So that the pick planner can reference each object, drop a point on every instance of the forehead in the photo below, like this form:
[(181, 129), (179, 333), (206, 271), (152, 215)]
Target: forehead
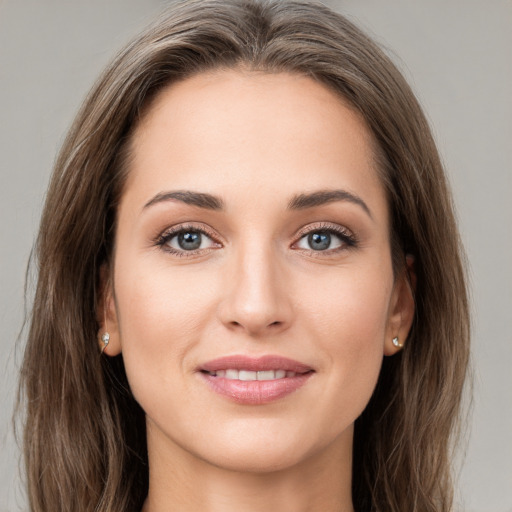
[(235, 132)]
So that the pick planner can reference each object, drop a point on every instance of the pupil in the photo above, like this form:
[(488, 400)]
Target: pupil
[(189, 241), (319, 241)]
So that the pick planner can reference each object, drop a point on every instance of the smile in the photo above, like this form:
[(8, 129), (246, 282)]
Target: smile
[(255, 381), (248, 375)]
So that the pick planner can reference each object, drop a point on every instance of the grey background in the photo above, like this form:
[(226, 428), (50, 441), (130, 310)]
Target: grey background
[(456, 54)]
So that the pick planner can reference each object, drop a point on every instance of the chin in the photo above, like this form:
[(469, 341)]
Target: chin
[(263, 447), (257, 459)]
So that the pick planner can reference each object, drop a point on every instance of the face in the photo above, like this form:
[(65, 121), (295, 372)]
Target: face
[(253, 295)]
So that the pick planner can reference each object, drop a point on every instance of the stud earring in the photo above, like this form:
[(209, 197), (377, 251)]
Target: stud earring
[(397, 343), (105, 338)]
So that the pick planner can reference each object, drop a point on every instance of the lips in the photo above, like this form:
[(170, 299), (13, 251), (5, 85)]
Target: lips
[(255, 381), (269, 362)]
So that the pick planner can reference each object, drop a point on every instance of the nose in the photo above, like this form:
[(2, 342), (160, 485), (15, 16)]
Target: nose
[(257, 296)]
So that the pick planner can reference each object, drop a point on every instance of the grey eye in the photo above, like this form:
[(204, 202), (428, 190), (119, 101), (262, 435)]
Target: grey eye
[(190, 240), (320, 241)]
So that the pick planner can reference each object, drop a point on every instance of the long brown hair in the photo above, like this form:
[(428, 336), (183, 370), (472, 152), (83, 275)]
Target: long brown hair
[(84, 434)]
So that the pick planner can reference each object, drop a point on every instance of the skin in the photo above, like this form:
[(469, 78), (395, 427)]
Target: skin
[(255, 287)]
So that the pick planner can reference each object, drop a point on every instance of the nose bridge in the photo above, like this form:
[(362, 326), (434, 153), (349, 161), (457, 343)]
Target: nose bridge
[(257, 299)]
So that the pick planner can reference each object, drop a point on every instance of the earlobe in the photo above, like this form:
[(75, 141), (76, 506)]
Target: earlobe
[(105, 338), (108, 333), (402, 309), (396, 342)]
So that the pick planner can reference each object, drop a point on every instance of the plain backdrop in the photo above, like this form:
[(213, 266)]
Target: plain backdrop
[(458, 57)]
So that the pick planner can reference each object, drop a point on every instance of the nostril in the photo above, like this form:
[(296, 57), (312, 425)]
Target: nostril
[(237, 325)]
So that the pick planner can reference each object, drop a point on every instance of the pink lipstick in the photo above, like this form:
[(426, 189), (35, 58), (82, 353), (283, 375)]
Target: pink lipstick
[(255, 381)]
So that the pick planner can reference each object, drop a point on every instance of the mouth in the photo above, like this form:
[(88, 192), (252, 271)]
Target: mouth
[(255, 381), (250, 375)]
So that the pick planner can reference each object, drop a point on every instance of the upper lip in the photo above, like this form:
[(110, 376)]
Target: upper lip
[(267, 362)]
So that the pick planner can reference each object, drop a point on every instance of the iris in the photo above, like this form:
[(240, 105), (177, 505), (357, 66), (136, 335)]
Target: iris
[(189, 240), (319, 241)]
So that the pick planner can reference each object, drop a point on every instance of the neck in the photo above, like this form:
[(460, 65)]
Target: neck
[(180, 481)]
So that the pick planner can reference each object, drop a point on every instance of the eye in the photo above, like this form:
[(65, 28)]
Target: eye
[(186, 240), (320, 241), (326, 239)]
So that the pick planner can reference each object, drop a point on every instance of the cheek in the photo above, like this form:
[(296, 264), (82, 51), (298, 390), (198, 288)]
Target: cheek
[(162, 314), (350, 307), (154, 297), (347, 317)]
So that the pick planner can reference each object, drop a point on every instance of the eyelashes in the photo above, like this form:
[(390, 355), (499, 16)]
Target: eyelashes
[(319, 239), (325, 238), (188, 240)]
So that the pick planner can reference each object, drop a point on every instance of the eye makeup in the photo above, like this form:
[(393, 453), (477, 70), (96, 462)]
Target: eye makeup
[(186, 240), (322, 239)]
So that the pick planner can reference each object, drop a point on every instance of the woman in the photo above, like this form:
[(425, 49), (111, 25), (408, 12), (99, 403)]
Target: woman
[(248, 213)]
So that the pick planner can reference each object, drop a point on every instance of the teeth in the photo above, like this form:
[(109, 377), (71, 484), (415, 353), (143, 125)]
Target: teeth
[(247, 375), (232, 374), (267, 375)]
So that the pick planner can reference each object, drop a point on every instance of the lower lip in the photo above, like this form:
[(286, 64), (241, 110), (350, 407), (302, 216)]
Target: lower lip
[(255, 392)]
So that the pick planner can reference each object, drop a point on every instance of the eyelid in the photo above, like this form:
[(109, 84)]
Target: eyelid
[(323, 226), (161, 240), (168, 234), (346, 235)]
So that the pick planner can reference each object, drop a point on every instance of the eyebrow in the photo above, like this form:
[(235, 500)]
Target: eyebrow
[(321, 197), (297, 202), (199, 199)]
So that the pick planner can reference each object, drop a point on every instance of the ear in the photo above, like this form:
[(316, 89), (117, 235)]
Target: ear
[(401, 312), (106, 314)]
